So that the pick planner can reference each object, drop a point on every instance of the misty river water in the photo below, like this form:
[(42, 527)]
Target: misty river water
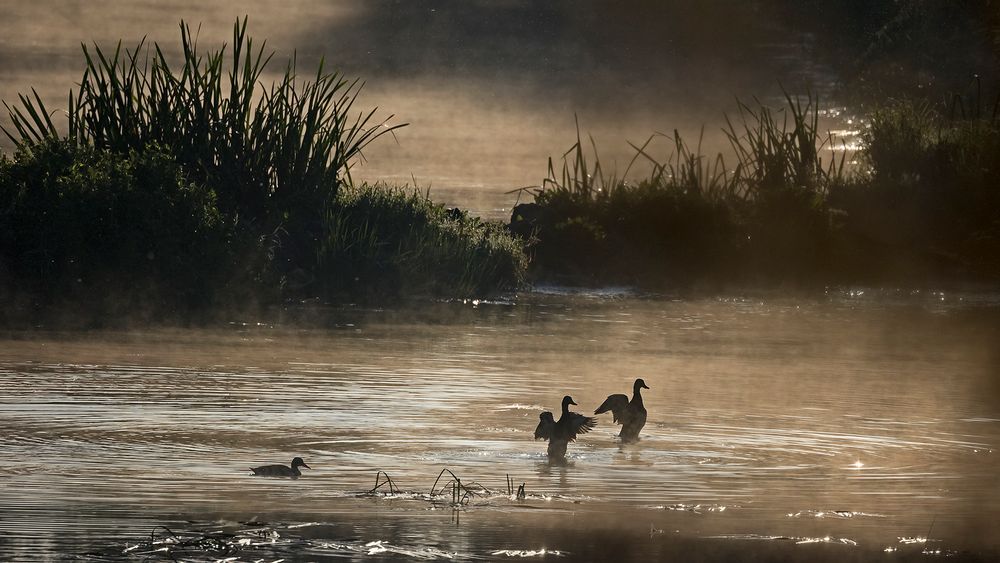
[(833, 426)]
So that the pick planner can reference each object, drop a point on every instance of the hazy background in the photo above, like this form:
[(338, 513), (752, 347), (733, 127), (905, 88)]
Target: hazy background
[(490, 88)]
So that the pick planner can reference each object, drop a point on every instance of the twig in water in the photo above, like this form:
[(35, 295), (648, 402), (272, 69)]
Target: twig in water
[(520, 494), (393, 489), (457, 488), (453, 476)]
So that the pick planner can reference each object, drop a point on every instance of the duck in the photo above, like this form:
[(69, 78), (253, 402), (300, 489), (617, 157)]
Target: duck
[(630, 414), (278, 470), (561, 432)]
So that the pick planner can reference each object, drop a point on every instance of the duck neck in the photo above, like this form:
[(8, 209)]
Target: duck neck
[(637, 395), (565, 409)]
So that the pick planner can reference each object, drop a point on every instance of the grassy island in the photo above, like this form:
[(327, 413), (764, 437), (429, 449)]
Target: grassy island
[(177, 189)]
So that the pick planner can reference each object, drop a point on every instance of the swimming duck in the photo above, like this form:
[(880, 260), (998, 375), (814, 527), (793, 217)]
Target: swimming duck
[(281, 470), (630, 414), (560, 433)]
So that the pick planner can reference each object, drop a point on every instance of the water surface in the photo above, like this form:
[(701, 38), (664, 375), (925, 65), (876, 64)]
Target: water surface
[(834, 426)]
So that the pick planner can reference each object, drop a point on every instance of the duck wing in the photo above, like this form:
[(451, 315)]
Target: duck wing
[(273, 471), (617, 404), (544, 429), (574, 423)]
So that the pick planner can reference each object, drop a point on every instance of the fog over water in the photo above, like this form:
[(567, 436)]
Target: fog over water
[(491, 89), (809, 429)]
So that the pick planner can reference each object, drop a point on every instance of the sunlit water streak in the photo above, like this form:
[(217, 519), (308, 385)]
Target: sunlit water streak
[(858, 420)]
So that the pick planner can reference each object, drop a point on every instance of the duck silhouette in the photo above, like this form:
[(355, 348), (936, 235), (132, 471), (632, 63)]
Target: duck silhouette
[(561, 432), (281, 470), (630, 414)]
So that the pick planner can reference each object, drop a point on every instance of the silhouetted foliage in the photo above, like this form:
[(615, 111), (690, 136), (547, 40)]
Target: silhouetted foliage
[(388, 241), (178, 187), (921, 205), (929, 199), (896, 48), (79, 224), (275, 157)]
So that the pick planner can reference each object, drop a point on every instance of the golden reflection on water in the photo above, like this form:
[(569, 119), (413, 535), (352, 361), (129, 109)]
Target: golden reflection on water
[(854, 421)]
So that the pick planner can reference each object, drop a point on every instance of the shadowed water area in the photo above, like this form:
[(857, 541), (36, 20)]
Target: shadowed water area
[(833, 427)]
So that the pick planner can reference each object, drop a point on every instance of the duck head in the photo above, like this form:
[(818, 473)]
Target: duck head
[(297, 462), (639, 384), (567, 401)]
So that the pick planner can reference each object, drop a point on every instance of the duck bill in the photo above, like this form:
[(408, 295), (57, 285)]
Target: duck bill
[(644, 386), (306, 466)]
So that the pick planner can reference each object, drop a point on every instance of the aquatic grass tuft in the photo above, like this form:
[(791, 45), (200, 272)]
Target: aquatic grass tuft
[(919, 199), (775, 153), (272, 163), (928, 201), (518, 492), (694, 216), (461, 493), (455, 486), (772, 149), (396, 241), (273, 155), (382, 479)]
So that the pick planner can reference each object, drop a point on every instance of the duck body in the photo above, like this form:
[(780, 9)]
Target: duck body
[(560, 433), (281, 470), (630, 414)]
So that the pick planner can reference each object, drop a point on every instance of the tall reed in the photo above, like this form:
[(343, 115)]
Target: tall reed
[(270, 153), (774, 153), (385, 240), (763, 202), (771, 148)]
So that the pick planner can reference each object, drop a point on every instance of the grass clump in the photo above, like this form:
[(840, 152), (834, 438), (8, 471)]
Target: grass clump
[(921, 206), (274, 157), (927, 200), (392, 241), (693, 217), (204, 188)]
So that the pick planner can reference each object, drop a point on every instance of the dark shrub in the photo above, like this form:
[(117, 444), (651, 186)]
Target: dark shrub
[(391, 241), (79, 224)]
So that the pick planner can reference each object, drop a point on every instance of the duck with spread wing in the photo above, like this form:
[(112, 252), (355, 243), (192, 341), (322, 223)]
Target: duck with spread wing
[(561, 432), (630, 414)]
